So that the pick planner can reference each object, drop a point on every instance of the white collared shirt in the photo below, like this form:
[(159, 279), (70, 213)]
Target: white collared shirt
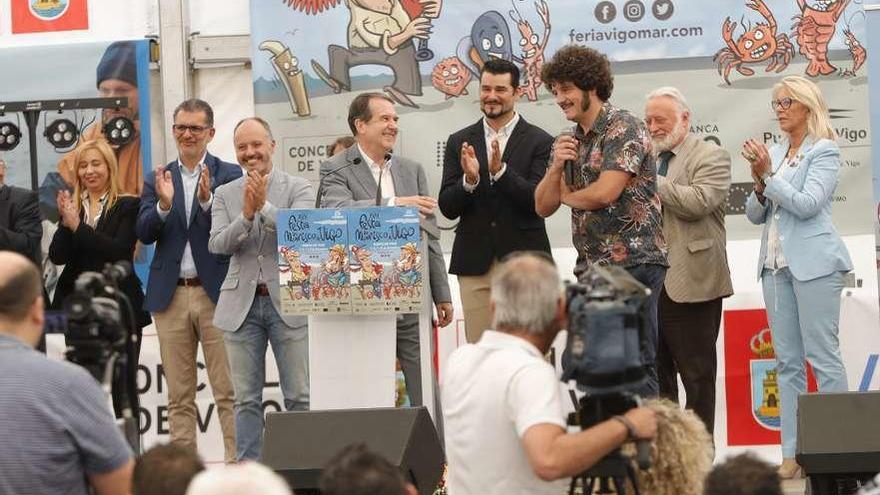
[(388, 193), (502, 135), (93, 222), (190, 186), (775, 257)]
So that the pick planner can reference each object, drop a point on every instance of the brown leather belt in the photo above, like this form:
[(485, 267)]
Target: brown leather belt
[(189, 282), (262, 290)]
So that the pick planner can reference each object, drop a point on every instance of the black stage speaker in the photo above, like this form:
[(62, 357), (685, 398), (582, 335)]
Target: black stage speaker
[(838, 437), (297, 445)]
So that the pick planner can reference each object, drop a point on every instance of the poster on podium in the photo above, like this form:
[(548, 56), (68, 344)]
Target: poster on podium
[(312, 261), (386, 264)]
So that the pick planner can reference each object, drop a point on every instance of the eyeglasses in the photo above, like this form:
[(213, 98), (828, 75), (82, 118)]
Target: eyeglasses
[(782, 103), (194, 129)]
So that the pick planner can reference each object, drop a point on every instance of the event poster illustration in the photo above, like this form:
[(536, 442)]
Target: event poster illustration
[(386, 263), (312, 261)]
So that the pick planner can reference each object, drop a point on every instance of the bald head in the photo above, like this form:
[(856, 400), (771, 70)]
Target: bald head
[(21, 302)]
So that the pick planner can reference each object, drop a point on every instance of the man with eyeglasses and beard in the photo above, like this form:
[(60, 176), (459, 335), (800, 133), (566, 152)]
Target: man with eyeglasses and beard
[(610, 183), (490, 170), (185, 278), (693, 180)]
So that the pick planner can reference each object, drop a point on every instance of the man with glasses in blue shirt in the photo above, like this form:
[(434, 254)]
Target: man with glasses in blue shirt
[(185, 278)]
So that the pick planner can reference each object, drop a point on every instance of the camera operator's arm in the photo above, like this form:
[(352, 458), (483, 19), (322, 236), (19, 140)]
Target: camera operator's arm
[(555, 454), (114, 237), (116, 482)]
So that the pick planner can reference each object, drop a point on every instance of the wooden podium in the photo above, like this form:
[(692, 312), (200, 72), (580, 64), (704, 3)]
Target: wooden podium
[(352, 355)]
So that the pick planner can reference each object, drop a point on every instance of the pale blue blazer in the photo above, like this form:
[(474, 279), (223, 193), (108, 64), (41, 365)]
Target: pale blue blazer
[(810, 243)]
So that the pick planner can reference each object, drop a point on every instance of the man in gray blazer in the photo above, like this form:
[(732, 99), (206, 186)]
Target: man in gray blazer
[(249, 310), (352, 178), (693, 182)]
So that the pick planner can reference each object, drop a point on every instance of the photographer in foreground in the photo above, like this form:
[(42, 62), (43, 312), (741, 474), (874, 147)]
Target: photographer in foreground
[(500, 395), (58, 432)]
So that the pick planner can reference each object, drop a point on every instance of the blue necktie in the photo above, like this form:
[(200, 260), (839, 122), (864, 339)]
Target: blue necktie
[(665, 156)]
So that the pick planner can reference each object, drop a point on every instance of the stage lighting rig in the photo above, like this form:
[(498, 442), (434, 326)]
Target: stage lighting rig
[(119, 131), (10, 136), (61, 133), (32, 110)]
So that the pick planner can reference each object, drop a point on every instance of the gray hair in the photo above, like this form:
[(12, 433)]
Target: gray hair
[(674, 94), (248, 478), (526, 291)]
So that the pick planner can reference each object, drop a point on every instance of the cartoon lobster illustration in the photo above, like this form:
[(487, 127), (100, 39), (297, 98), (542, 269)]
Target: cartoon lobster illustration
[(858, 52), (814, 28), (532, 48), (758, 44)]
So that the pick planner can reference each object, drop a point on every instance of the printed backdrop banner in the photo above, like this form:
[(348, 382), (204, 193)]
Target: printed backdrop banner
[(311, 57), (35, 16)]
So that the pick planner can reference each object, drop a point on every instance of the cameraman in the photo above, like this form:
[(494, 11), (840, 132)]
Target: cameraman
[(501, 396), (58, 432)]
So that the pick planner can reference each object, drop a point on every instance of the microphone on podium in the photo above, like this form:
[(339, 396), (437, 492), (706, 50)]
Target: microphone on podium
[(320, 194)]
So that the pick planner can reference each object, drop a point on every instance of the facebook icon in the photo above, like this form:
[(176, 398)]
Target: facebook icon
[(605, 12)]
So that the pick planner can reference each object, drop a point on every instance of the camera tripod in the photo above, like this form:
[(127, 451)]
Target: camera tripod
[(615, 469)]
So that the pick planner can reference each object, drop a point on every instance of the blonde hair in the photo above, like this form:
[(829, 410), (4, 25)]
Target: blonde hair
[(101, 146), (809, 95), (681, 453)]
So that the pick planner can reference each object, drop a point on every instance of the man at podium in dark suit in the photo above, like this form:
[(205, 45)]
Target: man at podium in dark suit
[(353, 178), (490, 170)]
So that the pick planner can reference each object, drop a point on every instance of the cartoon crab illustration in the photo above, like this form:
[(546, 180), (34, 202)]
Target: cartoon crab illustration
[(758, 44), (814, 28), (451, 77), (857, 51)]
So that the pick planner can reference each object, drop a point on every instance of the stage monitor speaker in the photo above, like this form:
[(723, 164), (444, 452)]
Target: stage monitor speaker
[(297, 445), (838, 433)]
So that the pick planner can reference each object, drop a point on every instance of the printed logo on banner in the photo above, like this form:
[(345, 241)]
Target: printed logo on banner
[(662, 9), (605, 12), (750, 379), (33, 16), (753, 401), (634, 10)]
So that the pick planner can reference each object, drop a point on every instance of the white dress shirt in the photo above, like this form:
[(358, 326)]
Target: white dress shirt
[(502, 135), (388, 194), (190, 186)]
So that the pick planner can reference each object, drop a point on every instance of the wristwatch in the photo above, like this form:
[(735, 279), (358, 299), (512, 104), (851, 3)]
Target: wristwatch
[(630, 428)]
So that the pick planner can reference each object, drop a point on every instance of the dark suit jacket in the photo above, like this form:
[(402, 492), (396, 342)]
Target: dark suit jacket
[(172, 235), (88, 250), (20, 228), (498, 218)]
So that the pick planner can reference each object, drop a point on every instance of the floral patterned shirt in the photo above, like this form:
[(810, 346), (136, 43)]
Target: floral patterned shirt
[(629, 231)]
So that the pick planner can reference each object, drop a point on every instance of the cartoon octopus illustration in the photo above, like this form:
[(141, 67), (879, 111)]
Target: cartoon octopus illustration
[(814, 28), (532, 48), (758, 44), (858, 52), (451, 77)]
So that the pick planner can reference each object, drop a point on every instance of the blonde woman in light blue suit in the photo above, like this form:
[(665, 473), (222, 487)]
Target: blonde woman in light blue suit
[(803, 259)]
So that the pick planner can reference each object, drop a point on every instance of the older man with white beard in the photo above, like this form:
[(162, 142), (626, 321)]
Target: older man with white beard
[(693, 182)]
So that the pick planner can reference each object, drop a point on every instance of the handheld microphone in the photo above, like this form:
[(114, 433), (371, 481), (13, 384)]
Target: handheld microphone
[(320, 194), (379, 183), (568, 167)]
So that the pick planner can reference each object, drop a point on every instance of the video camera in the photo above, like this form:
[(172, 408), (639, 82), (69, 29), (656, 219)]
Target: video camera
[(99, 327), (603, 355)]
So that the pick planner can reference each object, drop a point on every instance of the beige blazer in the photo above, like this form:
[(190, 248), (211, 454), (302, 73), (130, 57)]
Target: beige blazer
[(694, 193)]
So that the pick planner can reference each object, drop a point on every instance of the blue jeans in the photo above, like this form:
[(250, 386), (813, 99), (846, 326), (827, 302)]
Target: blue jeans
[(803, 322), (652, 277), (246, 350)]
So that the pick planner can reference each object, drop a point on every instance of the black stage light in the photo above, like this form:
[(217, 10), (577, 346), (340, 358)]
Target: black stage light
[(119, 131), (10, 136), (61, 133)]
